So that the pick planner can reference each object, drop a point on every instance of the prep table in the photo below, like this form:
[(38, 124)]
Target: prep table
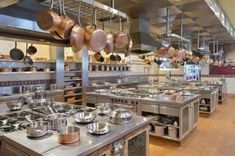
[(17, 143)]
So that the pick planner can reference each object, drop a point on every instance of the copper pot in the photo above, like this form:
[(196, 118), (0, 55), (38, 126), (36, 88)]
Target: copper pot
[(77, 36), (66, 24), (95, 38), (121, 39), (48, 20), (110, 39), (68, 135)]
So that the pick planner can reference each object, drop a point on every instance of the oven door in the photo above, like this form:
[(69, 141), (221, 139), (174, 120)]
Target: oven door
[(132, 108)]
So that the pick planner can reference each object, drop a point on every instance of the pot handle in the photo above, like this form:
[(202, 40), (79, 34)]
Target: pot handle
[(52, 4)]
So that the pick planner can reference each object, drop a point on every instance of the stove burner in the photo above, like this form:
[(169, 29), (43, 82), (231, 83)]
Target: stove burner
[(17, 121)]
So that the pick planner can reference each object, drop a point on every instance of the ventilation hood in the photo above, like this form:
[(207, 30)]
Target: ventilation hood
[(143, 42)]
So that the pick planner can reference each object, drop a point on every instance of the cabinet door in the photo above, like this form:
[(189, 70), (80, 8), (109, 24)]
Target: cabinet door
[(195, 112), (12, 151)]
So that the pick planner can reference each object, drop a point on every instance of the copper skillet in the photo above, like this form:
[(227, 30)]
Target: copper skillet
[(77, 36), (65, 27), (110, 39), (48, 20), (95, 38), (121, 39)]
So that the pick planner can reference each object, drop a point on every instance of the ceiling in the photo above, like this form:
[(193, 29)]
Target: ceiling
[(228, 7), (197, 16)]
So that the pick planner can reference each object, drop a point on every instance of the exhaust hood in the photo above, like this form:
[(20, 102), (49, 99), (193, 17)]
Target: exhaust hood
[(142, 41), (6, 3)]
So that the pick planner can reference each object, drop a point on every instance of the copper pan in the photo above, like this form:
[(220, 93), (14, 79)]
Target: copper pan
[(65, 27), (95, 38), (48, 20), (110, 39), (121, 39), (77, 36)]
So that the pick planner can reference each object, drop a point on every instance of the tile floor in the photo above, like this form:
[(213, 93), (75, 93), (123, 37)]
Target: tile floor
[(214, 136)]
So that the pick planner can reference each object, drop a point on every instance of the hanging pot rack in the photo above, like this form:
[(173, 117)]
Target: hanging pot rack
[(103, 11)]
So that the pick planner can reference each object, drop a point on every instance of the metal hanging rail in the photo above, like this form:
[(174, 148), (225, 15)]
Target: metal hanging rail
[(103, 11)]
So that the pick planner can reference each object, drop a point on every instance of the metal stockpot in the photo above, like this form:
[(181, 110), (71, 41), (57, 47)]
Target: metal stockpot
[(57, 121), (120, 116)]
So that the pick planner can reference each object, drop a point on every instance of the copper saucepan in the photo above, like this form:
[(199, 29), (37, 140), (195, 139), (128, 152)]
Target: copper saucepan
[(110, 39), (95, 38), (65, 27), (77, 36), (48, 20), (121, 39)]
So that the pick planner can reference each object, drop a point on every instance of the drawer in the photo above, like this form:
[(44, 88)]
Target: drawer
[(150, 108), (168, 111)]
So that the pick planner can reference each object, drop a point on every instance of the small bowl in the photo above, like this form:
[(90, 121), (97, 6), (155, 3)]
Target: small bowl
[(98, 128), (37, 129), (84, 117)]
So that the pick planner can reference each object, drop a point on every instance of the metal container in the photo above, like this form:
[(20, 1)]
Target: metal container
[(172, 132), (15, 105), (159, 130), (37, 129), (57, 121), (68, 135), (98, 128), (120, 116), (84, 117), (103, 108)]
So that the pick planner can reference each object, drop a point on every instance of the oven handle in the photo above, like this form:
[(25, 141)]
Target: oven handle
[(123, 106)]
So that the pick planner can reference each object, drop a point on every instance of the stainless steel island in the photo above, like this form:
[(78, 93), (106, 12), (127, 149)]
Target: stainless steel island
[(173, 119), (133, 138)]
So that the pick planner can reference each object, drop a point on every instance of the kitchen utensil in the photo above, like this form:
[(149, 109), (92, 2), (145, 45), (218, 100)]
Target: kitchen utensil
[(121, 39), (5, 69), (110, 39), (172, 132), (98, 128), (103, 108), (77, 36), (101, 59), (68, 135), (159, 130), (84, 117), (95, 38), (48, 20), (27, 59), (118, 58), (15, 105), (112, 57), (120, 116), (66, 24), (16, 54), (97, 56), (31, 50), (57, 121), (36, 128)]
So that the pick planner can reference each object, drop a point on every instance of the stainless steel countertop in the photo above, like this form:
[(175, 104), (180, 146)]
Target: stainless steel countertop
[(164, 102), (89, 143)]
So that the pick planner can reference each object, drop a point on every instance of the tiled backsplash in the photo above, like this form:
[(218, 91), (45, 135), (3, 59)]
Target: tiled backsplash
[(26, 82)]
